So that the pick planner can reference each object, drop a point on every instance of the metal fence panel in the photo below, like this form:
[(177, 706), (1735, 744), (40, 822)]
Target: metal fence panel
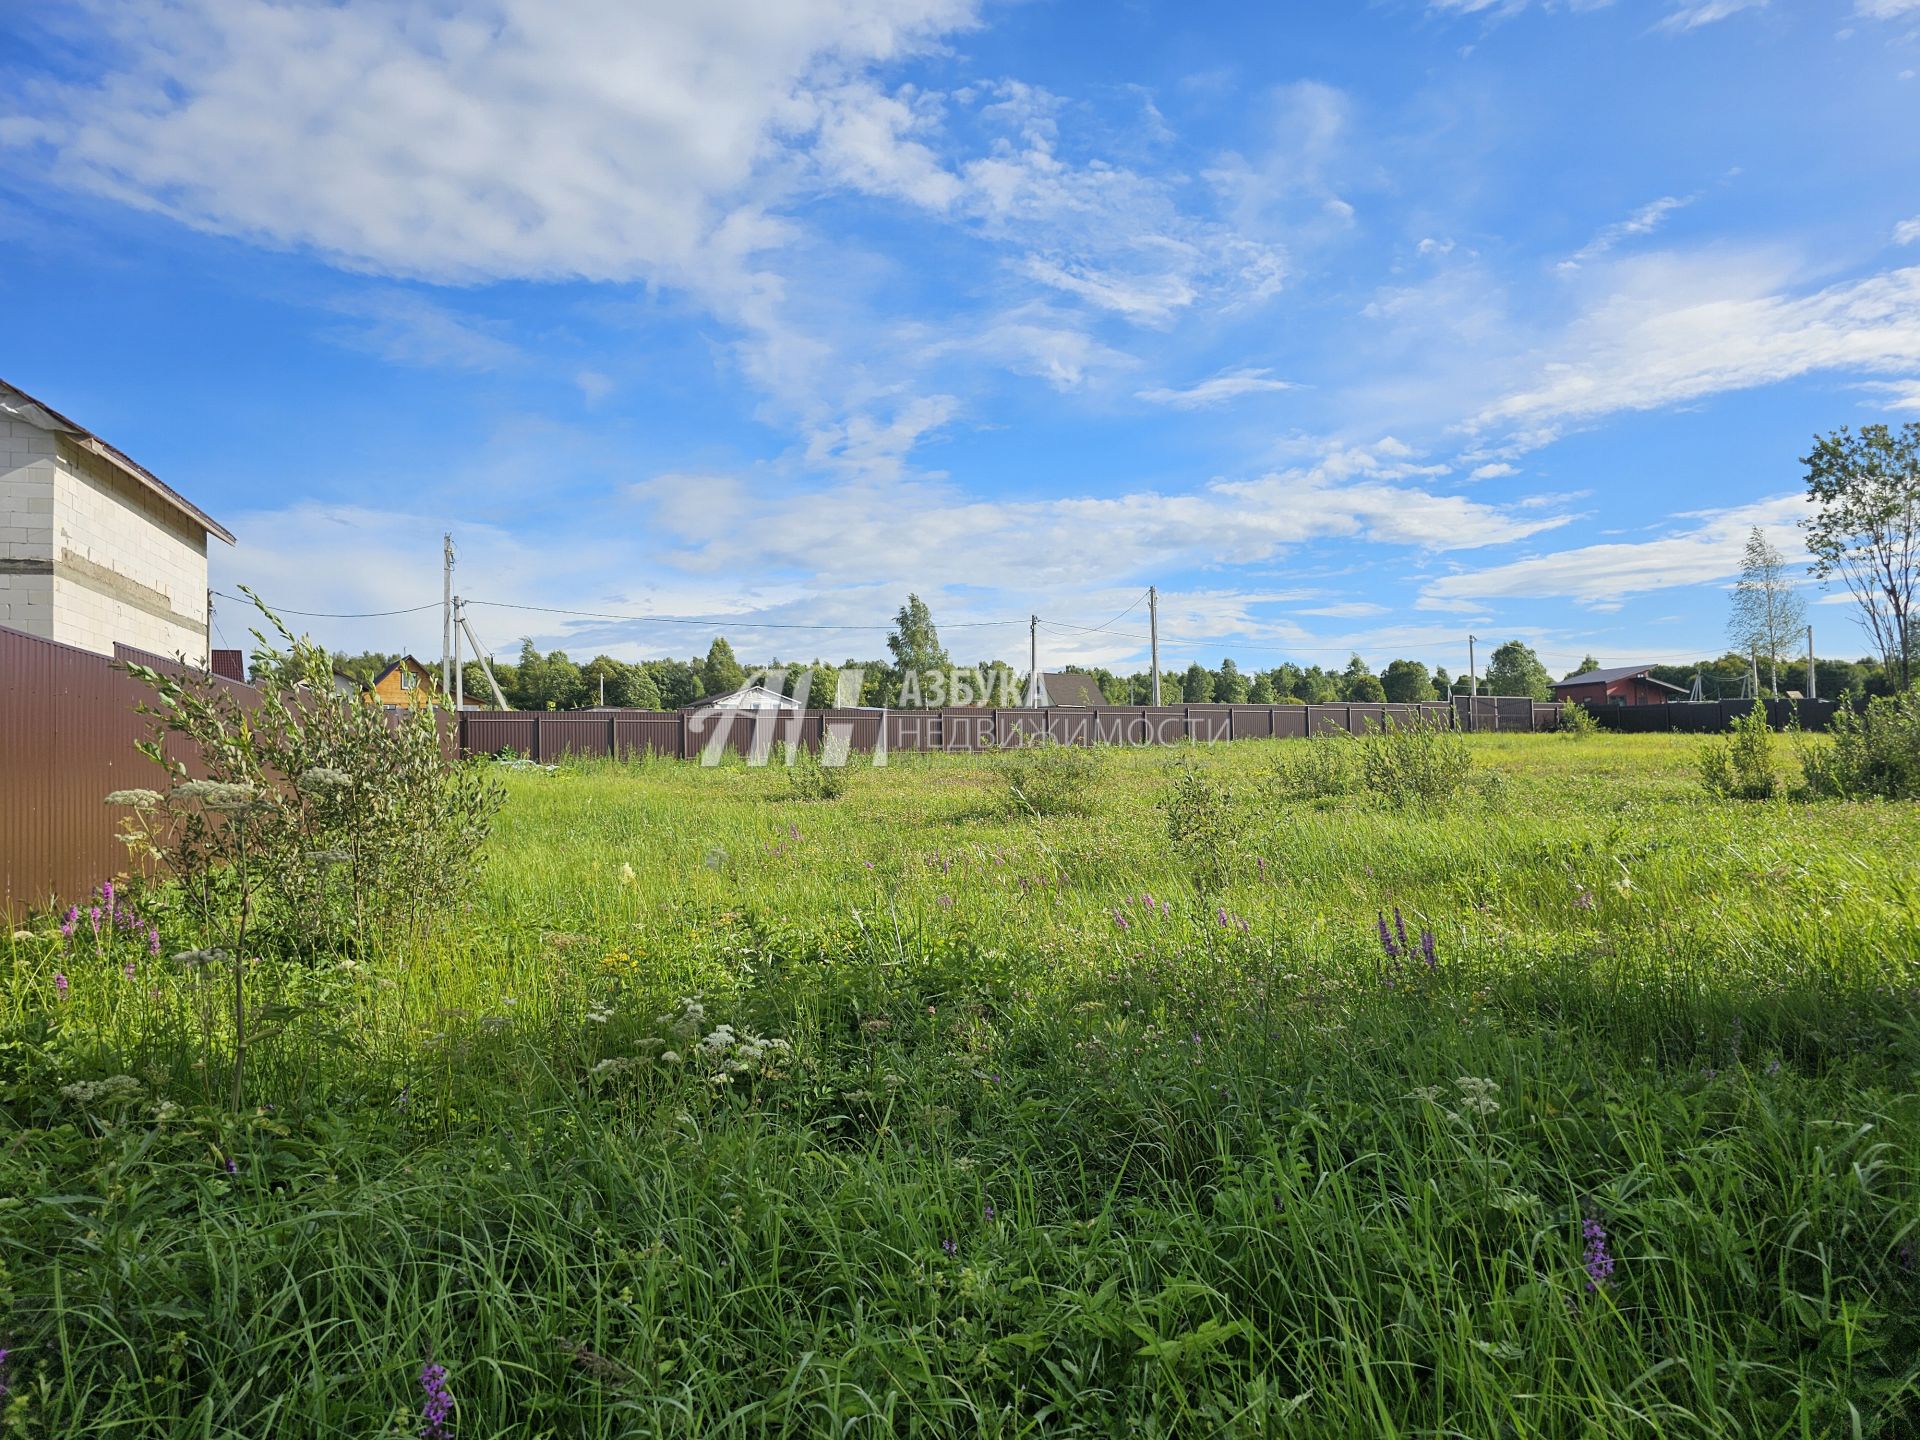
[(1069, 727), (1251, 722), (967, 730), (1014, 728), (645, 732), (1290, 722), (1208, 723), (1327, 720), (1120, 727), (919, 730)]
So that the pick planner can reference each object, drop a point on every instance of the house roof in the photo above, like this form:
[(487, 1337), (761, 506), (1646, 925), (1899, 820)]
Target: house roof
[(17, 404), (747, 697), (1618, 672), (1069, 687)]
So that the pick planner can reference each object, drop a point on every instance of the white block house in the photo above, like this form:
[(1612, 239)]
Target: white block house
[(94, 548)]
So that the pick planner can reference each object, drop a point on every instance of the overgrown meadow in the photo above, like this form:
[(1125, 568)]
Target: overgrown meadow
[(1223, 1100)]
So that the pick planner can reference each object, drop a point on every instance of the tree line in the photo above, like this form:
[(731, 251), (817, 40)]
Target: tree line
[(1863, 530), (554, 681)]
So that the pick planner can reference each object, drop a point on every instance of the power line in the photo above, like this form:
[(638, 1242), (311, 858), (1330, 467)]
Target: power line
[(331, 614), (739, 621)]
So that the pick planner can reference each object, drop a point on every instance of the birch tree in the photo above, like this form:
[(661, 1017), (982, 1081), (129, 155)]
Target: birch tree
[(1865, 529), (1768, 613)]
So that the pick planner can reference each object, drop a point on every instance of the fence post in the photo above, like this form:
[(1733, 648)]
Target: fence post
[(613, 743)]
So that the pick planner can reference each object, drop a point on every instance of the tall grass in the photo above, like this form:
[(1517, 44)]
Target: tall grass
[(1060, 1144)]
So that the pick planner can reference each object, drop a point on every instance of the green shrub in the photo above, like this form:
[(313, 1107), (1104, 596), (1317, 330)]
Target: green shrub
[(1200, 825), (1420, 761), (1317, 769), (1739, 765), (1576, 721), (1048, 778), (813, 781), (1871, 754)]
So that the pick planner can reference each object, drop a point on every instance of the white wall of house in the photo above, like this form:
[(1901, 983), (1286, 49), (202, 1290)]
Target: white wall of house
[(27, 469), (103, 559)]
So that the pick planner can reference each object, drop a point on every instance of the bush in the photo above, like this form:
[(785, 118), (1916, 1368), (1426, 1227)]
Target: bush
[(1317, 769), (1739, 765), (1200, 825), (1871, 754), (1576, 721), (813, 781), (1420, 761), (1048, 778), (322, 818)]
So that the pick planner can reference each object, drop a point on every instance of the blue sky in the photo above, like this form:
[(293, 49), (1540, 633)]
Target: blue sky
[(1350, 326)]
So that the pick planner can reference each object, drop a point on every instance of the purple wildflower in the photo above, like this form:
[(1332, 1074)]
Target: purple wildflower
[(93, 914), (60, 983), (106, 893), (987, 1213), (71, 922), (439, 1403), (951, 1246), (1400, 929), (1224, 921), (233, 1166), (793, 831), (1426, 949), (153, 940), (946, 902), (1261, 861), (130, 970), (3, 1373), (1120, 919), (1386, 937), (1599, 1260)]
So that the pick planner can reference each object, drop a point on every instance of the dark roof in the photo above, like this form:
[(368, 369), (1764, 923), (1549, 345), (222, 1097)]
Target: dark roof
[(426, 670), (1618, 672), (1072, 688), (14, 400)]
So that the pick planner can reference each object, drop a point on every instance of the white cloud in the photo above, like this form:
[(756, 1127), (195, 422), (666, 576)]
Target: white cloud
[(851, 534), (1678, 330), (1495, 470), (1885, 9), (1600, 576), (1038, 340), (1227, 385), (598, 140), (1643, 221), (1152, 299), (1907, 231), (1707, 12), (1903, 395), (1348, 610), (409, 329), (865, 446)]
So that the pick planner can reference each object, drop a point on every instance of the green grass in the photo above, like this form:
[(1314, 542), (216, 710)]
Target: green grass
[(1023, 1170)]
